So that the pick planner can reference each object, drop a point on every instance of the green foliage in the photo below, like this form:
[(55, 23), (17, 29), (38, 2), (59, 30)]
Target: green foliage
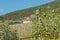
[(49, 25), (49, 19), (6, 33), (19, 14)]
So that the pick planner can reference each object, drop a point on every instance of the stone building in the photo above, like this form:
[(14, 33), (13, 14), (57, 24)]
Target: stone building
[(27, 20)]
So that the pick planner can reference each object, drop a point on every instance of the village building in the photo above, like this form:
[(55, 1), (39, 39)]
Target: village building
[(23, 20), (27, 20)]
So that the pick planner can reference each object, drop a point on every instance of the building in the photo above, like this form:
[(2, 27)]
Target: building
[(27, 20)]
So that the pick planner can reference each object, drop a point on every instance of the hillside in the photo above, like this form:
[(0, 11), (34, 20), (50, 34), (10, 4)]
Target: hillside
[(49, 15), (26, 12)]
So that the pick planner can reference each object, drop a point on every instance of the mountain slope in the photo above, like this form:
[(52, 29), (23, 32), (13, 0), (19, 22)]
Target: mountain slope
[(50, 15), (26, 12)]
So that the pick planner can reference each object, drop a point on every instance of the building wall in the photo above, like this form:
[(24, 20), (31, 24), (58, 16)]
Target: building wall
[(27, 21)]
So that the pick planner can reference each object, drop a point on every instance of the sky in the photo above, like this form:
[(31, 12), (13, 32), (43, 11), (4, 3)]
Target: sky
[(7, 6)]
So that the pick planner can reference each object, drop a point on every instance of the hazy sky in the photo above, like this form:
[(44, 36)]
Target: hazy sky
[(12, 5)]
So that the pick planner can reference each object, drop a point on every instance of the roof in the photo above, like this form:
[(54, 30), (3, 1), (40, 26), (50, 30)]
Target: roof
[(27, 18)]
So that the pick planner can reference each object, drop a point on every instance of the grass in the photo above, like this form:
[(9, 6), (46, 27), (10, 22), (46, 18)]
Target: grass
[(23, 30), (40, 39)]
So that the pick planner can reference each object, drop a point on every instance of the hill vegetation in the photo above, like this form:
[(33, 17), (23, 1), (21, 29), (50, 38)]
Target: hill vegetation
[(49, 15), (26, 12)]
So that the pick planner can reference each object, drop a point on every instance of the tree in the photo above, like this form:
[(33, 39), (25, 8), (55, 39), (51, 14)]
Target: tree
[(37, 26), (46, 25), (1, 32), (8, 33)]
